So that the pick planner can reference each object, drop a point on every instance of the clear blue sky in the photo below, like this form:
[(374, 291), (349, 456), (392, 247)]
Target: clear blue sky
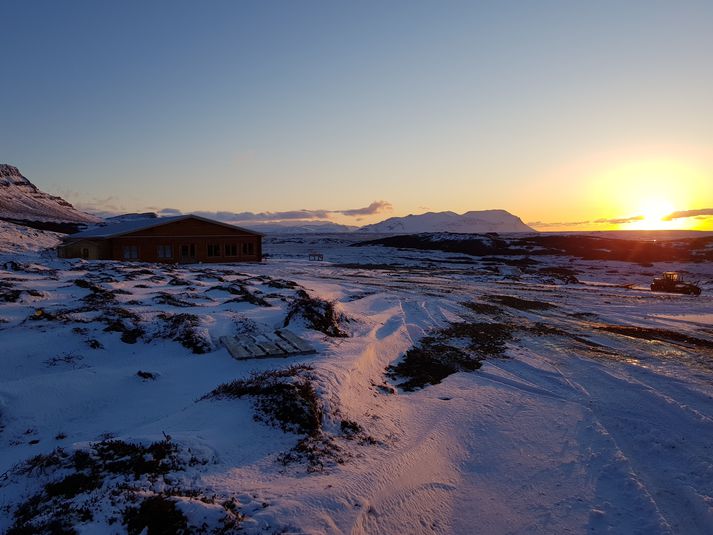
[(533, 107)]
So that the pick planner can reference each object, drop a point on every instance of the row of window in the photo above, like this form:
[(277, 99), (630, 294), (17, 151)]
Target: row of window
[(131, 252), (230, 249)]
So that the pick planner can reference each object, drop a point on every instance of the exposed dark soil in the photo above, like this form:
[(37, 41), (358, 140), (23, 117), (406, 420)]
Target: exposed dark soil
[(661, 335), (458, 347), (519, 303), (483, 308)]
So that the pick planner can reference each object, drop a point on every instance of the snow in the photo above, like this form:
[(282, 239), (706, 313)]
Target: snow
[(19, 239), (470, 222), (591, 431)]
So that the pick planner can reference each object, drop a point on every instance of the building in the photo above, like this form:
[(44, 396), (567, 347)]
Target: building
[(181, 239)]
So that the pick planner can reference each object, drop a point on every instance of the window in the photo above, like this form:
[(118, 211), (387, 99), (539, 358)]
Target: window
[(213, 249), (231, 249), (164, 251), (131, 252), (248, 248), (188, 251)]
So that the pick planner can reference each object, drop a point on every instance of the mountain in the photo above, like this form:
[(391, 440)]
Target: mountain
[(296, 227), (469, 223), (21, 200)]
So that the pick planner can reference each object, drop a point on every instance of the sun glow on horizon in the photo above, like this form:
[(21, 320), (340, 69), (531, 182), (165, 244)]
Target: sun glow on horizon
[(640, 193), (654, 211)]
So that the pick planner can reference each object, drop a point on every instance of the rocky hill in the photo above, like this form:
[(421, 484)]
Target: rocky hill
[(22, 201)]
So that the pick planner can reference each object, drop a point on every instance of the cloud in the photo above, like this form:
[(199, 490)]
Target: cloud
[(265, 216), (705, 212), (620, 220), (108, 207), (601, 221), (167, 212), (558, 224), (374, 208)]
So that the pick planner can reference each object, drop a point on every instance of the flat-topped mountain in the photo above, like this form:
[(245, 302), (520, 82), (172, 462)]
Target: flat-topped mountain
[(468, 223)]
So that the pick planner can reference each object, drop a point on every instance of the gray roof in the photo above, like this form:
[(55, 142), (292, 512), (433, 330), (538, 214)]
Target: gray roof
[(125, 227)]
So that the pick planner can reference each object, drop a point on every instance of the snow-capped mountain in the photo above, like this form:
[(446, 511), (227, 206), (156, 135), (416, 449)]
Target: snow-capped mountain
[(21, 200), (470, 222)]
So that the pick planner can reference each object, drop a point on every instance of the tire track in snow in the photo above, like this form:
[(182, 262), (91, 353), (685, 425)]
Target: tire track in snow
[(646, 428)]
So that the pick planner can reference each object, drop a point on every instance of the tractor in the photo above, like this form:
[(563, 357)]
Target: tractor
[(672, 282)]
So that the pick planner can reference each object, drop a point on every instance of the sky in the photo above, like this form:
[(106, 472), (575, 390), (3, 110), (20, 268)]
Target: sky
[(570, 115)]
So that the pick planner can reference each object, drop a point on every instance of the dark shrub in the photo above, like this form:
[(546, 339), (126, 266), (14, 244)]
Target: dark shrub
[(285, 398), (520, 304), (319, 314), (158, 515)]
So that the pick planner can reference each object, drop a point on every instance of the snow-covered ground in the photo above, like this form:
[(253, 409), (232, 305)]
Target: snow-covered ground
[(584, 424), (19, 239)]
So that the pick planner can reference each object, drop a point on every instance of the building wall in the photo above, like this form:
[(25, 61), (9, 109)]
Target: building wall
[(193, 237), (248, 249), (91, 250)]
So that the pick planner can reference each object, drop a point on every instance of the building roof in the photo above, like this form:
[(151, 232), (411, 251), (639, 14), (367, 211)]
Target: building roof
[(127, 227)]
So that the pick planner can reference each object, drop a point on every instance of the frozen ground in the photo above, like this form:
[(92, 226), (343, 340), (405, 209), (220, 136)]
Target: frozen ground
[(583, 424)]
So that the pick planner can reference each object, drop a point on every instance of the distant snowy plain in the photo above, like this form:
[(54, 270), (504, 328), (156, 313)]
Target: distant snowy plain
[(576, 429)]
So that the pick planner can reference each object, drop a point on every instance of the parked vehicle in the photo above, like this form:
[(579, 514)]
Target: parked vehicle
[(673, 282)]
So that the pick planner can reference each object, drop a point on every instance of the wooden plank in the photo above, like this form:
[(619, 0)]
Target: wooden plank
[(250, 345), (286, 346), (296, 341), (235, 349), (270, 348)]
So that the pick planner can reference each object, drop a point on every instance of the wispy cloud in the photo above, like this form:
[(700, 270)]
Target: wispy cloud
[(266, 216), (600, 221), (619, 220), (704, 212), (374, 208), (108, 207), (542, 224)]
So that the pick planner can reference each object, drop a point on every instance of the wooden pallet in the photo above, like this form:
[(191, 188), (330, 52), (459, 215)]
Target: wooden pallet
[(282, 343)]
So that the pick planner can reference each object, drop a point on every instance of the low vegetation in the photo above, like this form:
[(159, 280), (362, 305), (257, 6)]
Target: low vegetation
[(284, 398), (288, 400), (84, 474), (661, 335), (242, 293), (185, 329), (518, 303), (317, 314), (458, 347)]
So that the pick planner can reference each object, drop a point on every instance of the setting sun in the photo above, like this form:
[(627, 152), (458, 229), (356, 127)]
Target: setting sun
[(653, 212)]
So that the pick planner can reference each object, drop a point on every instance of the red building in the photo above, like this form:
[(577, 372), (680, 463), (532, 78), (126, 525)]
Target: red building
[(181, 239)]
